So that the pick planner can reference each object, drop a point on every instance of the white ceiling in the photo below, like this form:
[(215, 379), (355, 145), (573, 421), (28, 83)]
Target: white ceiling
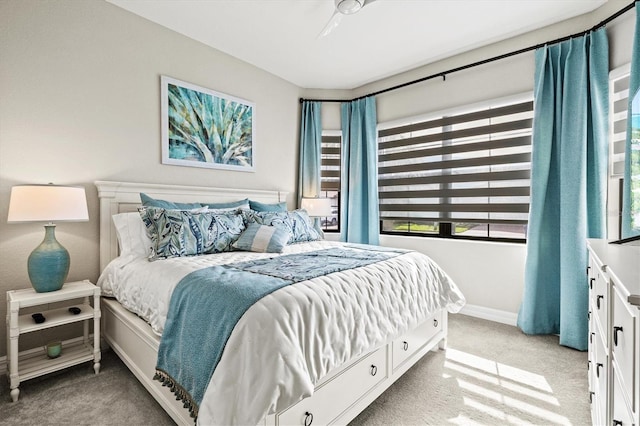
[(384, 38)]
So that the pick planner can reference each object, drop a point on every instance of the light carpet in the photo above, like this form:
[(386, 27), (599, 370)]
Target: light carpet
[(491, 374)]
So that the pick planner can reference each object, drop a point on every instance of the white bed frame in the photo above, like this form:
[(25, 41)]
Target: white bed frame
[(339, 397)]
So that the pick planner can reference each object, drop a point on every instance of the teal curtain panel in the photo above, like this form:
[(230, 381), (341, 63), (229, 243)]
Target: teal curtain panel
[(631, 204), (568, 185), (310, 150), (359, 181)]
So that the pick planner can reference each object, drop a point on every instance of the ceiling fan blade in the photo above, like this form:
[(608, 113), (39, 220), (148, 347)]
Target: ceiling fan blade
[(333, 22)]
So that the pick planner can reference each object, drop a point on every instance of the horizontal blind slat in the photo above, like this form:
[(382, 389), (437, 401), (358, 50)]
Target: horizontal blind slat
[(471, 177), (511, 191), (454, 207), (456, 164)]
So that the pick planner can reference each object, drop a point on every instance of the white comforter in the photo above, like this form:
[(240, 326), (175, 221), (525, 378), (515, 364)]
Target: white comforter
[(292, 338)]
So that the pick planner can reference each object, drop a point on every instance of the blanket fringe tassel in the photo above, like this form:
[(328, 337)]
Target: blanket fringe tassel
[(180, 393)]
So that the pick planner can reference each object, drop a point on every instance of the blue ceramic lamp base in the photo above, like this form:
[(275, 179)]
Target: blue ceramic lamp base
[(48, 264)]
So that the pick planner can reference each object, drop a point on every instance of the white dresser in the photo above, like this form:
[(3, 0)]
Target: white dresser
[(614, 335)]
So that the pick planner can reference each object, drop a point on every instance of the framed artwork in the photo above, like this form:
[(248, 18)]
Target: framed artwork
[(204, 128)]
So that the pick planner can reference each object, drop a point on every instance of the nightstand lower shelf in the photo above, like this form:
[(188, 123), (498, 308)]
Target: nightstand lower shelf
[(35, 362)]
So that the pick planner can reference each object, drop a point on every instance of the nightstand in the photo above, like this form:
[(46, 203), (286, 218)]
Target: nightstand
[(35, 362)]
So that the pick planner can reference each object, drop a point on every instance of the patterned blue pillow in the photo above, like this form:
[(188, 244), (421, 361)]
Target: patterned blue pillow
[(176, 233), (263, 239), (297, 222)]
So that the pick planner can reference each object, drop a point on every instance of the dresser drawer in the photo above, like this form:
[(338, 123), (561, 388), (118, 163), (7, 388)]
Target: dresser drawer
[(323, 407), (620, 414), (599, 294), (623, 335), (601, 381), (409, 343)]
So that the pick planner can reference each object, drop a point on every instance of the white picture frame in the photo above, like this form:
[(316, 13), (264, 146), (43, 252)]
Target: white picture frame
[(205, 128)]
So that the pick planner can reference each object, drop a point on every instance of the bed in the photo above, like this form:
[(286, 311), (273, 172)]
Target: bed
[(329, 371)]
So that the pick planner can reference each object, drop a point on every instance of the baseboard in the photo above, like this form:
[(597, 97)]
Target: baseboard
[(495, 315)]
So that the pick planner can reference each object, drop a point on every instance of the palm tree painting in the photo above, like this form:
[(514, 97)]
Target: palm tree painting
[(203, 128)]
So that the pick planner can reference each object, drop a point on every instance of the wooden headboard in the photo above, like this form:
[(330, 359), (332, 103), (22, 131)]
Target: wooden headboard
[(120, 197)]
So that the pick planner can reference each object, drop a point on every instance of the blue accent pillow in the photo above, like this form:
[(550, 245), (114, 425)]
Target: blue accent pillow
[(263, 239), (296, 222), (176, 233), (263, 207), (148, 201), (152, 202)]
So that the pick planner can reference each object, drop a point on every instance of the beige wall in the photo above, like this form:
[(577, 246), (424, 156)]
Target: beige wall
[(80, 101)]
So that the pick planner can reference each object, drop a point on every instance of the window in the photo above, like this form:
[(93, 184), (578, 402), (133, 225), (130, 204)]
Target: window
[(618, 105), (330, 177), (619, 80), (460, 174)]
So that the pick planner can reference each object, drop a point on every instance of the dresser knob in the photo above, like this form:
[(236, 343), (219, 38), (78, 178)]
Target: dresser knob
[(374, 370), (598, 300), (308, 418), (435, 322), (615, 335), (405, 346)]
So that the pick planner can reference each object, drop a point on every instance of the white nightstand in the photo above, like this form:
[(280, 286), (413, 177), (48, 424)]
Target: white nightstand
[(35, 362)]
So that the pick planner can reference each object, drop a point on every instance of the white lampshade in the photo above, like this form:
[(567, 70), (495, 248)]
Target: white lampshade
[(317, 207), (48, 203)]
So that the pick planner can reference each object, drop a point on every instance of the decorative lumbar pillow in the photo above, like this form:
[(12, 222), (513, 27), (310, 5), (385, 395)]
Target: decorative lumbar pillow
[(132, 235), (263, 207), (176, 233), (148, 201), (296, 222), (263, 239)]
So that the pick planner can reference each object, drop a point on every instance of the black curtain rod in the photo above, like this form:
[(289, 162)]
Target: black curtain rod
[(485, 61)]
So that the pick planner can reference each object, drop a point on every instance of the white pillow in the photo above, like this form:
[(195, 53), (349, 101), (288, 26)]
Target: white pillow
[(132, 235)]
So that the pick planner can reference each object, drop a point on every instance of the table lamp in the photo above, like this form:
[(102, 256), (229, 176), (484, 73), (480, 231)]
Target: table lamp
[(48, 264), (316, 207)]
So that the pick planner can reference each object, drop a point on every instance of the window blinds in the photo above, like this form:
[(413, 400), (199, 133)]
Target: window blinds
[(330, 163), (470, 167)]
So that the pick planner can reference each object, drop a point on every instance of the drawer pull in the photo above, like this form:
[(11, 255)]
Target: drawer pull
[(589, 315), (374, 370), (588, 365), (405, 346), (435, 322), (615, 335), (591, 397), (591, 280), (308, 418), (591, 337), (588, 269), (598, 300), (598, 366), (617, 422)]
